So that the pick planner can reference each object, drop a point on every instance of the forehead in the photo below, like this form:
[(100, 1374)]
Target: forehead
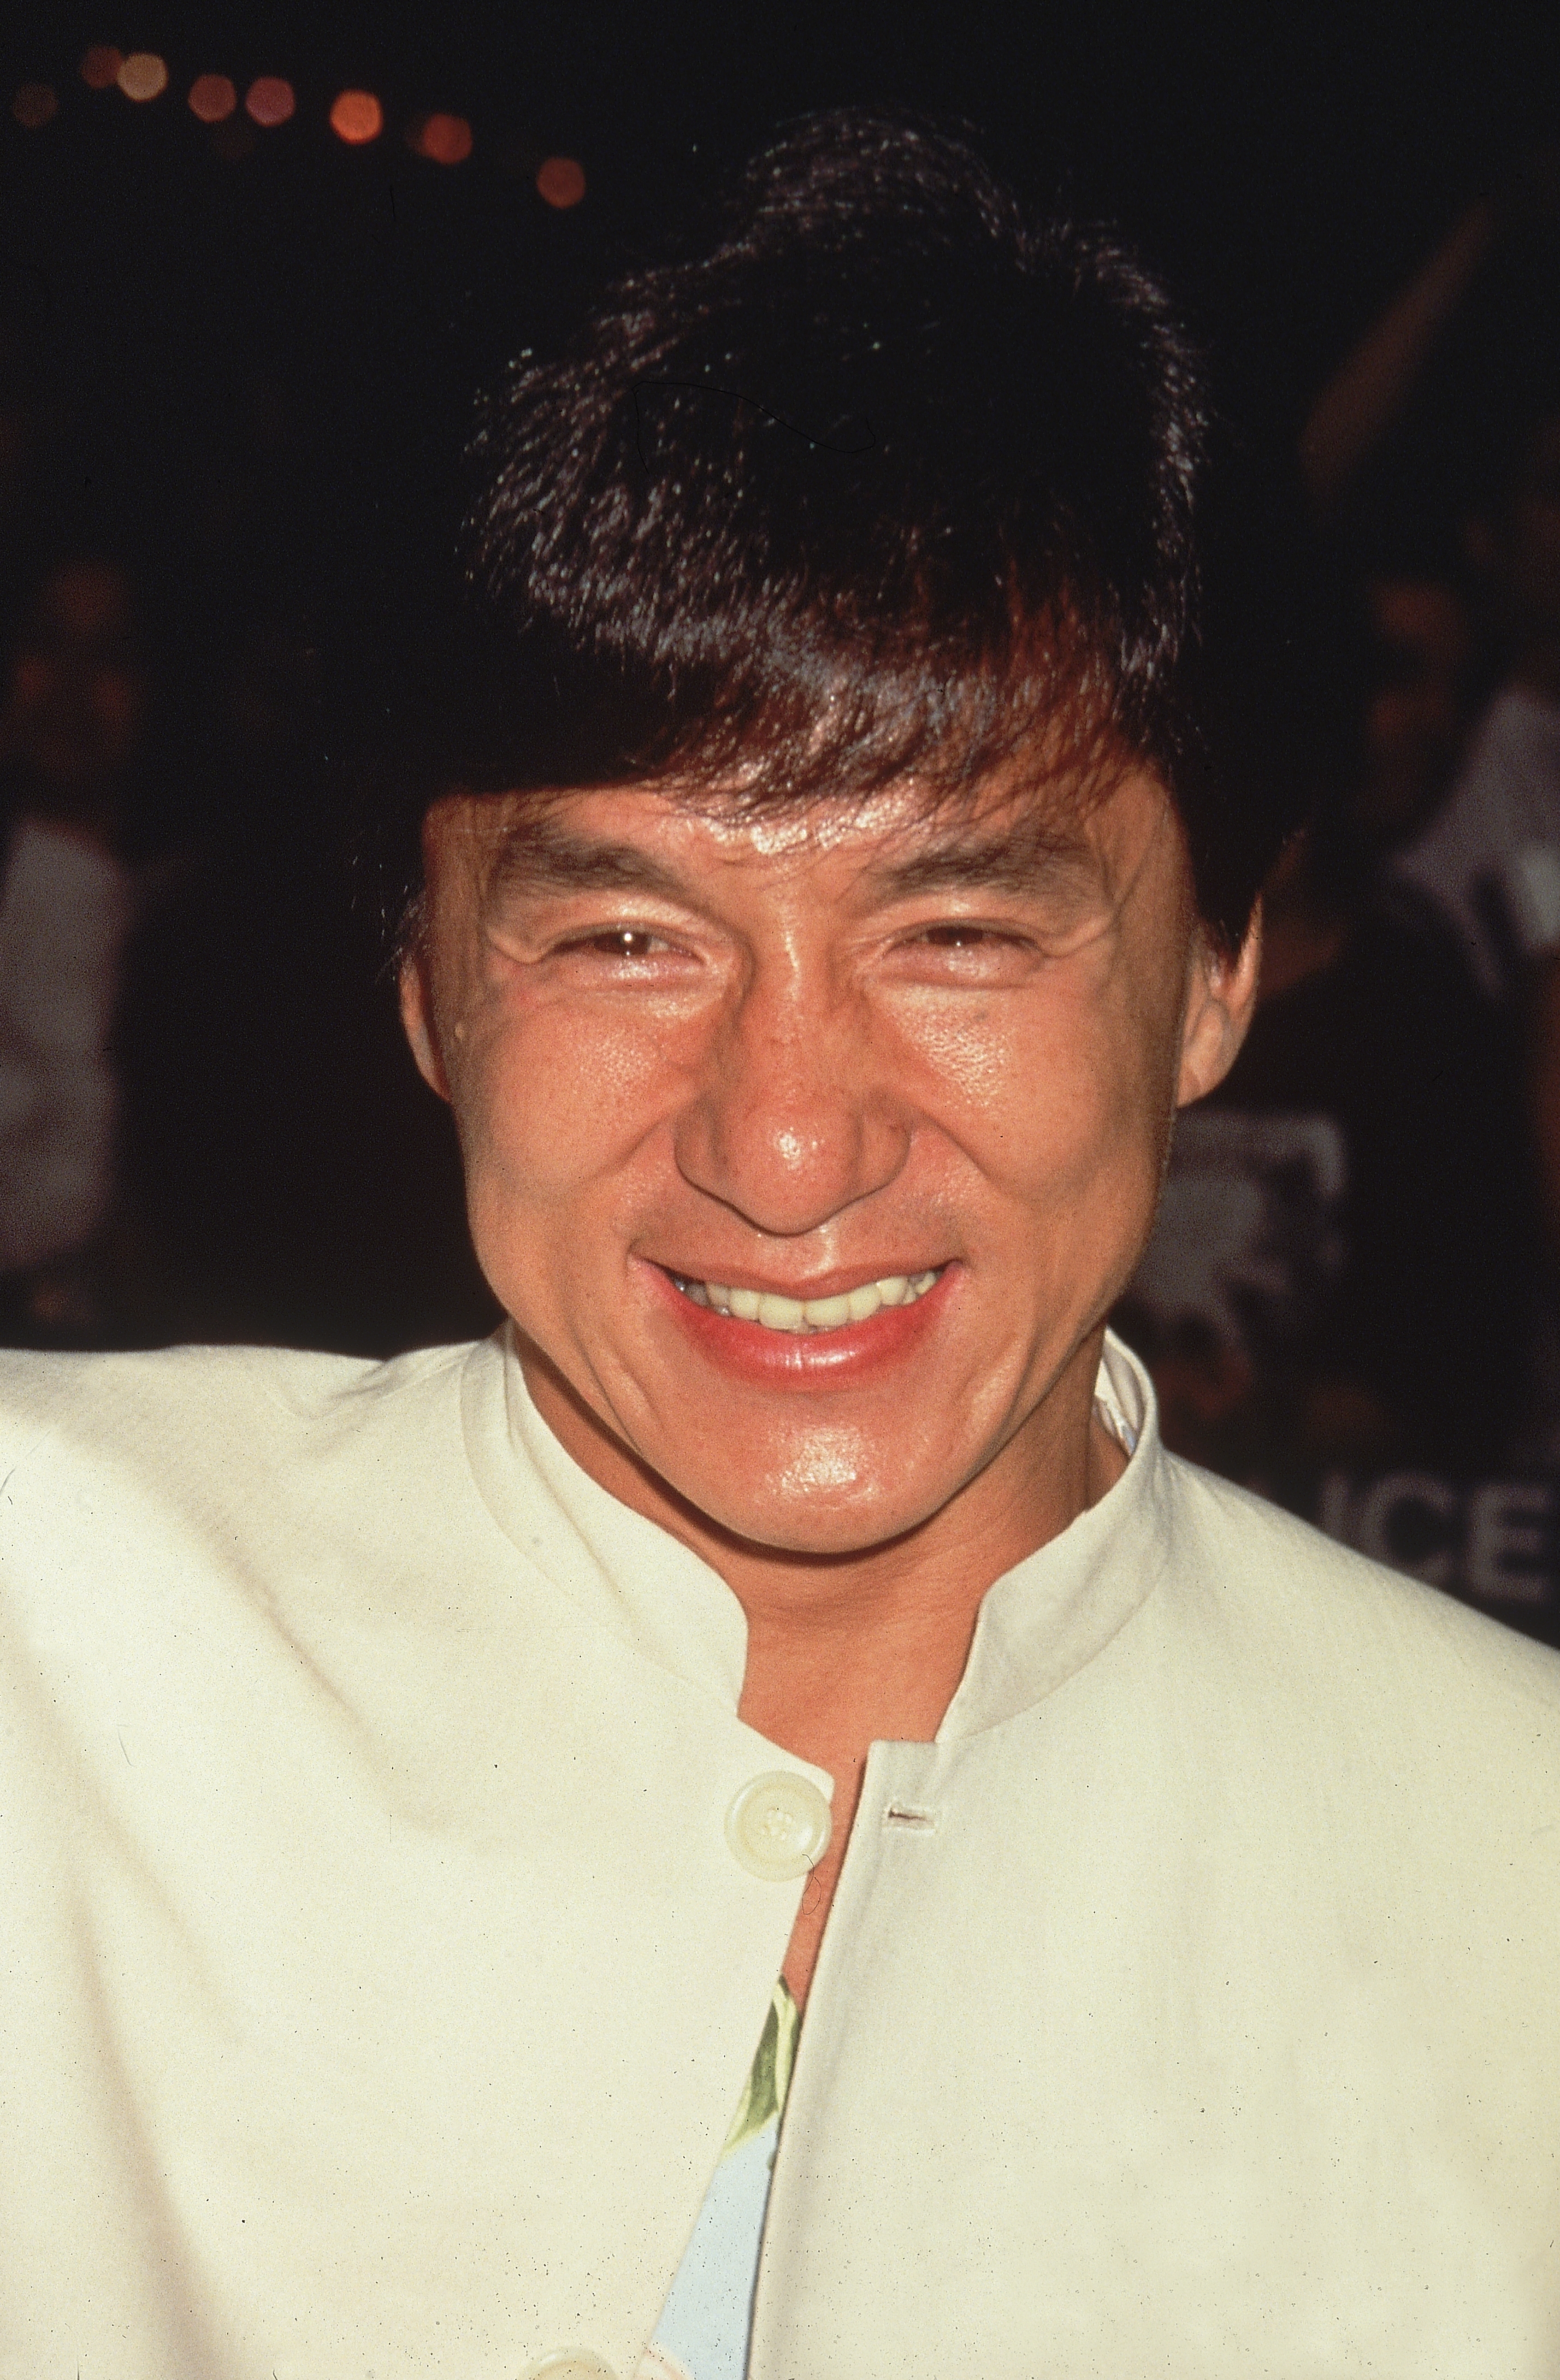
[(905, 838)]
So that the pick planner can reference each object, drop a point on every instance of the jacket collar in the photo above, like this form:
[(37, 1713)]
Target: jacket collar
[(1046, 1619), (1038, 1625)]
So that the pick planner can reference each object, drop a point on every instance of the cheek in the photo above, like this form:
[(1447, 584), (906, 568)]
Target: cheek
[(549, 1102), (549, 1121), (1064, 1092)]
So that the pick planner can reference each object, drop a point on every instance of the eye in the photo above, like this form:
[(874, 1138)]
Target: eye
[(959, 937), (973, 951), (964, 934), (617, 942)]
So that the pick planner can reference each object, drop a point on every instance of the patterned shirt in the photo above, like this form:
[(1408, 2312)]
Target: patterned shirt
[(704, 2325)]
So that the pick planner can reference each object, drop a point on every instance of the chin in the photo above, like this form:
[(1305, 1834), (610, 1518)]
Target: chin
[(815, 1519)]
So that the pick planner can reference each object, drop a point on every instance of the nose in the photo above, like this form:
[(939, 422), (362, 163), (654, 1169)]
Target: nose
[(795, 1117)]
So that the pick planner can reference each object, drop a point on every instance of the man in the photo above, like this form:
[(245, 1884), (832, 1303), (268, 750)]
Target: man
[(429, 1783)]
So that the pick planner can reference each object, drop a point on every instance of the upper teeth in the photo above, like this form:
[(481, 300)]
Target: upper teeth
[(808, 1314)]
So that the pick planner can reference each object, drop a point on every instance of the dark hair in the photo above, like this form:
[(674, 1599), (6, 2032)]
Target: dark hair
[(888, 476)]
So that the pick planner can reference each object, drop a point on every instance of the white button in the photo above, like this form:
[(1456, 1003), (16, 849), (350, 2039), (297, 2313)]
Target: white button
[(570, 2363), (779, 1825)]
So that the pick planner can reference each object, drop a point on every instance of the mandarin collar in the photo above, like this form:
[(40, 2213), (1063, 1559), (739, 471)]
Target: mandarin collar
[(1037, 1624), (1046, 1619)]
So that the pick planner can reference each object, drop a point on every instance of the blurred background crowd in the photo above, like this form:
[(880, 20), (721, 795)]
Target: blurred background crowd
[(250, 273)]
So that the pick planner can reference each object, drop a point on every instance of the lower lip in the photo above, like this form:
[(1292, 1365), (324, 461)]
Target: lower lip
[(815, 1359)]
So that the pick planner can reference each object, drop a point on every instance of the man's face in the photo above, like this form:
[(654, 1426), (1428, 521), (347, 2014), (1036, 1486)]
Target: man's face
[(911, 1080)]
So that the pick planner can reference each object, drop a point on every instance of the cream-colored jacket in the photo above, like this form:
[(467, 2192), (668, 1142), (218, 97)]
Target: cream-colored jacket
[(379, 1980)]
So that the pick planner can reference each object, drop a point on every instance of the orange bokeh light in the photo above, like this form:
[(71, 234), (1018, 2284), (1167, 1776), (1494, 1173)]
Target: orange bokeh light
[(270, 101), (561, 182), (213, 98), (356, 116), (35, 105), (143, 76), (446, 139), (100, 68)]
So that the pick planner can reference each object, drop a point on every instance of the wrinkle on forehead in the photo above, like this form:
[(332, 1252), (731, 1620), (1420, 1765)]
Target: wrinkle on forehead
[(1036, 816)]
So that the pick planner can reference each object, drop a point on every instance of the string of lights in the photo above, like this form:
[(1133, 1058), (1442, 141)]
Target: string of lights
[(356, 118)]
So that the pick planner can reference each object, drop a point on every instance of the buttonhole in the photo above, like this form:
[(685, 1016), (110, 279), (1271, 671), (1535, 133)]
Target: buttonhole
[(905, 1813)]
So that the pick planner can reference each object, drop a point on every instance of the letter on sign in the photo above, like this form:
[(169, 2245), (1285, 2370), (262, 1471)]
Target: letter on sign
[(1510, 1525)]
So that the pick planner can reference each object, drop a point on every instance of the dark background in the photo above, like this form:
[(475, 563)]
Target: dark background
[(245, 377)]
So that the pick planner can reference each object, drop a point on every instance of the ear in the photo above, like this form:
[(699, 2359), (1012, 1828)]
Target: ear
[(1220, 997), (416, 1016)]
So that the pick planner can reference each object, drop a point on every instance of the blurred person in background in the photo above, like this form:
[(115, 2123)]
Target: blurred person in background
[(1421, 652), (1490, 860), (1341, 1269), (1486, 861), (74, 713)]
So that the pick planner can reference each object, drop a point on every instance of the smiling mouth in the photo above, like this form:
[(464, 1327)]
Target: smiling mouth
[(803, 1317)]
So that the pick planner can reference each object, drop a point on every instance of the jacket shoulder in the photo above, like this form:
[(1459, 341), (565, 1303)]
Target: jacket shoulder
[(1324, 1609), (201, 1406)]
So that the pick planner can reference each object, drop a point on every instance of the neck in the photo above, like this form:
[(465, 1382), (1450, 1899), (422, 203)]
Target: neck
[(881, 1630), (874, 1649)]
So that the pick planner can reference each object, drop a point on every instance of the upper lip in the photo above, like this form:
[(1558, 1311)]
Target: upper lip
[(837, 1283)]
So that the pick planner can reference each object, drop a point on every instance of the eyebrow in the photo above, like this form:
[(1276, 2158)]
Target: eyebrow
[(1016, 861), (542, 855)]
